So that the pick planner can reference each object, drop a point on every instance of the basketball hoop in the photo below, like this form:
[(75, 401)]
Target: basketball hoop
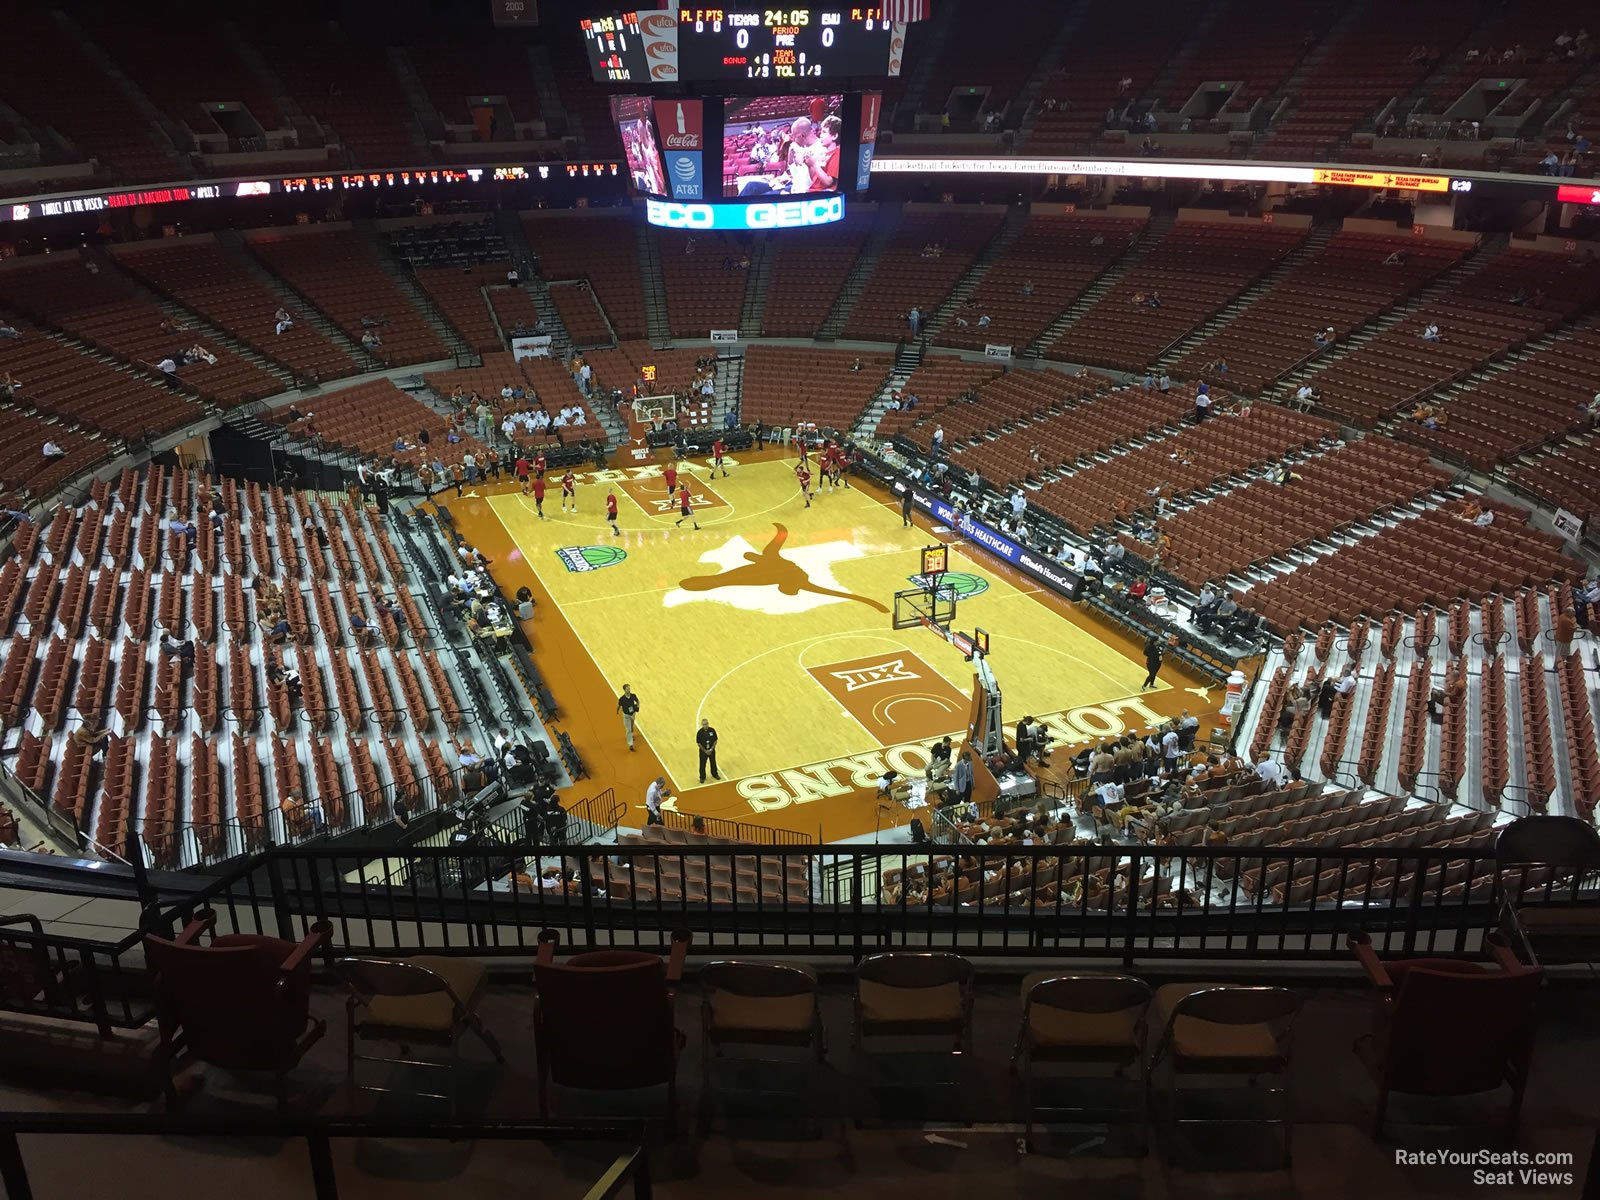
[(655, 411)]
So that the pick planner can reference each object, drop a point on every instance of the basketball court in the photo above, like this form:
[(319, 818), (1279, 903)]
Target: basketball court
[(776, 623)]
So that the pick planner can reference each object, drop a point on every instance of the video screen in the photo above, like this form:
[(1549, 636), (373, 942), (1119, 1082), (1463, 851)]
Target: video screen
[(636, 125), (784, 145)]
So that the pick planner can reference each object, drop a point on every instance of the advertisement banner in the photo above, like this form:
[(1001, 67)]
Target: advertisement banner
[(724, 336), (660, 33), (514, 13), (991, 350), (1569, 525), (1036, 566), (871, 106), (682, 128), (536, 346)]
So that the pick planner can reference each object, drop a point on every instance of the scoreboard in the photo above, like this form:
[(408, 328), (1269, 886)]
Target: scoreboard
[(786, 43), (724, 45)]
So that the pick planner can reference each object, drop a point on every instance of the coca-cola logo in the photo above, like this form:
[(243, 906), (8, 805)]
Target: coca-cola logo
[(683, 141)]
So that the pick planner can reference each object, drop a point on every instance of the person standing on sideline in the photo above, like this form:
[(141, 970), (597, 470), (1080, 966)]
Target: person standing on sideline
[(569, 491), (961, 777), (1564, 630), (718, 463), (706, 738), (628, 706), (537, 487), (1152, 659), (658, 791), (685, 508), (906, 503), (671, 474), (611, 511)]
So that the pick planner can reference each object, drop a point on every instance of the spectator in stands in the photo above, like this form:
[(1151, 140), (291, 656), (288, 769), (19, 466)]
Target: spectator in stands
[(1163, 382), (512, 278), (1562, 631), (1588, 601), (52, 452), (1223, 611), (1430, 332), (1153, 300), (1284, 474), (914, 320), (282, 320), (1188, 730), (8, 331), (1324, 339), (1396, 258), (1202, 403), (1306, 397), (1270, 773), (183, 651), (1027, 287)]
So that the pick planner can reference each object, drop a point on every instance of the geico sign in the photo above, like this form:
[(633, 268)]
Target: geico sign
[(795, 212), (785, 214)]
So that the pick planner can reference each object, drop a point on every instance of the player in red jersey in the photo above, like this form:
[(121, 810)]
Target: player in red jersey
[(717, 461), (538, 464), (685, 507), (611, 511), (804, 476), (671, 474), (522, 468), (537, 487), (569, 491), (805, 451)]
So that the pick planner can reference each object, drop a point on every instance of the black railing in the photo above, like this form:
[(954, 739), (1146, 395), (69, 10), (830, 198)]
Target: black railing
[(1064, 900), (724, 830), (44, 974), (629, 1170)]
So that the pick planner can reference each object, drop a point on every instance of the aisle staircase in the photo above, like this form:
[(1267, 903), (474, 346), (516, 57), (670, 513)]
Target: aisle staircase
[(938, 25), (866, 426), (884, 222), (308, 133), (1309, 246), (658, 327), (233, 243), (426, 120), (1469, 265), (730, 383), (112, 270), (509, 223), (1154, 231), (1016, 218), (404, 277), (756, 283)]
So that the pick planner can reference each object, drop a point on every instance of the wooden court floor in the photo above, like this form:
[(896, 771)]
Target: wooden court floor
[(773, 622)]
